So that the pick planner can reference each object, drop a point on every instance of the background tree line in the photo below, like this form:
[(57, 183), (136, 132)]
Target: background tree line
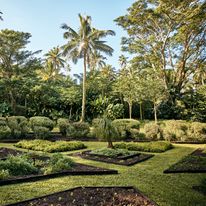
[(164, 77)]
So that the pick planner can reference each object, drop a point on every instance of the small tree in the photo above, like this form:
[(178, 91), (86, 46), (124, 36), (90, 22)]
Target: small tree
[(105, 130)]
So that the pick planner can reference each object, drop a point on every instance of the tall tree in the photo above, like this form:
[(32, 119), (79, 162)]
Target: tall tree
[(17, 65), (82, 44), (167, 36)]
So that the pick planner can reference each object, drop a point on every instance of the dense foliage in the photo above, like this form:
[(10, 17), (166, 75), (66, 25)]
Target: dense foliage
[(47, 146), (146, 147)]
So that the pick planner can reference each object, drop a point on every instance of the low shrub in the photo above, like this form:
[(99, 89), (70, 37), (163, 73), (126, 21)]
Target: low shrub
[(175, 130), (58, 163), (19, 126), (4, 174), (63, 124), (146, 146), (127, 128), (47, 146), (18, 165), (113, 152), (153, 131), (78, 130), (41, 126), (197, 132), (5, 131)]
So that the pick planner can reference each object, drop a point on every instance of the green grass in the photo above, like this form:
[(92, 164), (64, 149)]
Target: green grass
[(165, 189)]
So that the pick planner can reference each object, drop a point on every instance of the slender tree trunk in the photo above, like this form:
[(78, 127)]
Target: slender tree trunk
[(13, 102), (130, 110), (140, 110), (155, 112), (70, 113), (110, 145), (84, 89)]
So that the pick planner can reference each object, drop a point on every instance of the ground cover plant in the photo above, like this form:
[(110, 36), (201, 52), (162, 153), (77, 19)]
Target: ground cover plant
[(115, 156), (113, 152), (48, 146), (93, 196), (145, 146), (195, 163), (32, 167), (148, 177)]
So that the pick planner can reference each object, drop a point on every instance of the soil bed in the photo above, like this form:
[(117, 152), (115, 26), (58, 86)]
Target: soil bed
[(5, 152), (77, 169), (127, 161), (193, 163), (92, 196)]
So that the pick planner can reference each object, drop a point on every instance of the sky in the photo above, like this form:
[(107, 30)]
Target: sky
[(43, 18)]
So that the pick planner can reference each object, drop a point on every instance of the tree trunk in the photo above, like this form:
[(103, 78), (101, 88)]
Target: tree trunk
[(155, 113), (13, 102), (84, 89), (140, 110), (70, 113), (110, 145), (130, 110)]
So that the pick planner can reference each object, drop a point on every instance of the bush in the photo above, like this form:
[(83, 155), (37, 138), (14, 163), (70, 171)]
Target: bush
[(41, 126), (114, 111), (4, 174), (5, 131), (63, 124), (18, 165), (153, 131), (113, 152), (78, 129), (127, 128), (175, 130), (58, 163), (104, 129), (146, 146), (197, 132), (19, 126), (47, 146)]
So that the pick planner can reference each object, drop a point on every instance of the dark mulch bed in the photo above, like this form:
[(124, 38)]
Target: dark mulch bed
[(199, 152), (77, 169), (127, 161), (5, 152), (193, 163), (92, 196)]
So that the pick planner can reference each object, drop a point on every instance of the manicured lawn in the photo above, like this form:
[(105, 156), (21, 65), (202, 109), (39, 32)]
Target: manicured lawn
[(165, 189)]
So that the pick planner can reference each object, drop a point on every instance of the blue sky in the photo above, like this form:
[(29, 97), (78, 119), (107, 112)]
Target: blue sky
[(43, 18)]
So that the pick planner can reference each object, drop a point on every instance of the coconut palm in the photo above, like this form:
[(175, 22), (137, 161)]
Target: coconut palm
[(83, 44), (54, 59)]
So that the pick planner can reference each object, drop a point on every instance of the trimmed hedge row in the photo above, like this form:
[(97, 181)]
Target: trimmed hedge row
[(146, 146), (47, 146), (176, 130)]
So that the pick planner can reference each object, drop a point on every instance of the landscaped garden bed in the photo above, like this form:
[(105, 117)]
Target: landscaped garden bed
[(5, 152), (31, 167), (193, 163), (92, 196), (145, 146), (115, 156), (48, 146)]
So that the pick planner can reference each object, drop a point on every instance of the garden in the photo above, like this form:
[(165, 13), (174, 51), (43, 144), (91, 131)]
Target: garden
[(76, 130)]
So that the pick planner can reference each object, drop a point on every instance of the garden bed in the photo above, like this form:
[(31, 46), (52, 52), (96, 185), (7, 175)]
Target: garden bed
[(92, 196), (77, 169), (126, 160), (5, 152), (193, 163)]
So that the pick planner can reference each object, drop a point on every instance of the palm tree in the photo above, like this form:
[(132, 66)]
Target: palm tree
[(97, 61), (54, 59), (83, 44)]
